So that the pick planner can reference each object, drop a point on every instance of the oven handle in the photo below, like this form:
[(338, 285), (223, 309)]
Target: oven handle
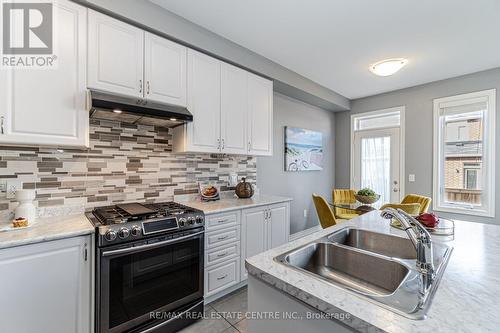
[(149, 246), (151, 329)]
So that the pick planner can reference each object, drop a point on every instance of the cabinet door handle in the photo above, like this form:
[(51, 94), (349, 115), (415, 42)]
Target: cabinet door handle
[(220, 255), (140, 86), (222, 277), (270, 213), (222, 144), (218, 144), (222, 238), (249, 145), (222, 221), (1, 125), (147, 84)]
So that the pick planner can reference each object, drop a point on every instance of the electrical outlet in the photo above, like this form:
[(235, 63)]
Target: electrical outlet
[(3, 185), (411, 178), (12, 187), (305, 213)]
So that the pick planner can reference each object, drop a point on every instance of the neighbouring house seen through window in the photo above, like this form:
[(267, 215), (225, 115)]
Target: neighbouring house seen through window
[(464, 149)]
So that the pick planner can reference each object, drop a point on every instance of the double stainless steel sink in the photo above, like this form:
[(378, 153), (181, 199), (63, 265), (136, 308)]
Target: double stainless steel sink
[(380, 267)]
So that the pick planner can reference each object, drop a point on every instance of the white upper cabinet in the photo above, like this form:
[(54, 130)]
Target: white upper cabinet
[(115, 55), (233, 110), (47, 106), (165, 70), (203, 133), (260, 116)]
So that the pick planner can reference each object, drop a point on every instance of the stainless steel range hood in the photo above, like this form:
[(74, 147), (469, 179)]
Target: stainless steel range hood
[(133, 110)]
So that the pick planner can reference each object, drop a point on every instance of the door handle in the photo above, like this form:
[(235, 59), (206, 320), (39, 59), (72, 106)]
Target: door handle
[(222, 277), (150, 246), (147, 85), (140, 86), (222, 144), (178, 315), (1, 125)]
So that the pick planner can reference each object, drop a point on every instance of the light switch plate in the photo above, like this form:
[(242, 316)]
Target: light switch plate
[(411, 178)]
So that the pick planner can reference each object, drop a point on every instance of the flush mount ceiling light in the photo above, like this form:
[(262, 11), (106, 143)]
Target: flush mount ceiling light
[(388, 67), (117, 111)]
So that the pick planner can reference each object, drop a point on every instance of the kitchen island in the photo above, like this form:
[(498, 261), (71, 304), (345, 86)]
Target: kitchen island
[(465, 300)]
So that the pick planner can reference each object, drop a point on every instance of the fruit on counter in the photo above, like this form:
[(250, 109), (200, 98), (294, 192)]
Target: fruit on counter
[(209, 191), (20, 222), (367, 192), (428, 219)]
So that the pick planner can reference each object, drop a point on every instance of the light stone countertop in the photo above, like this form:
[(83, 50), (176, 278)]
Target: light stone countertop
[(466, 299), (230, 202), (47, 229)]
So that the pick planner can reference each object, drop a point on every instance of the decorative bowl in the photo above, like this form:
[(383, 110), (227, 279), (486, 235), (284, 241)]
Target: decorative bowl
[(244, 190), (367, 199)]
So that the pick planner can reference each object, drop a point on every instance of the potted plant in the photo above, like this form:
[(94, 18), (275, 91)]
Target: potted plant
[(367, 196)]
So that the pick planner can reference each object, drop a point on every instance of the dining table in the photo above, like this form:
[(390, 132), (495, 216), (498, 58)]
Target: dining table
[(356, 207)]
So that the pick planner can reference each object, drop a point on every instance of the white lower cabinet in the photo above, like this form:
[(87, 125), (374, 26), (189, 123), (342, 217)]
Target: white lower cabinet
[(46, 287), (263, 228), (234, 236), (222, 252), (222, 276)]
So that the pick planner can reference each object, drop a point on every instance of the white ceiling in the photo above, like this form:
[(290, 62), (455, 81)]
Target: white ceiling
[(333, 42)]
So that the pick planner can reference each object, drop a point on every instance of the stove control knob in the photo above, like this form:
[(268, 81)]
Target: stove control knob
[(199, 219), (182, 222), (110, 235), (136, 231), (123, 233), (191, 220)]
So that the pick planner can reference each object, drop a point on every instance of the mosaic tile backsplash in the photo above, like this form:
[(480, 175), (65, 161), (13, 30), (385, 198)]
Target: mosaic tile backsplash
[(124, 163)]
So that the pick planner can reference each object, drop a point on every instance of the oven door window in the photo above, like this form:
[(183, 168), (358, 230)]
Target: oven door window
[(159, 278)]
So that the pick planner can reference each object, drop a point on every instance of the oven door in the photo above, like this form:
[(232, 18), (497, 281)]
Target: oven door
[(157, 275)]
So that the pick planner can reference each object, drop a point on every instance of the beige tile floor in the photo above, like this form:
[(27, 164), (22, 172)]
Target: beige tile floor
[(224, 315)]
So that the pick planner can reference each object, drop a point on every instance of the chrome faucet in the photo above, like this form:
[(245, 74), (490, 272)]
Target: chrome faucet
[(422, 242)]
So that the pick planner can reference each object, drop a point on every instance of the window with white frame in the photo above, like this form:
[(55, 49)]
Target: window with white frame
[(464, 153)]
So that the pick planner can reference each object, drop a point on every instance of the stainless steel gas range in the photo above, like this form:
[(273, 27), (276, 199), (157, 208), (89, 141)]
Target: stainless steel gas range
[(149, 267)]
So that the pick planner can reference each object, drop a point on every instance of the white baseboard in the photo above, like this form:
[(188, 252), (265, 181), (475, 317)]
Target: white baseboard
[(304, 233)]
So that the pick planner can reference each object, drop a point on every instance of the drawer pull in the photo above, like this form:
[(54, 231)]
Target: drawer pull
[(222, 221), (222, 238), (220, 255), (222, 277)]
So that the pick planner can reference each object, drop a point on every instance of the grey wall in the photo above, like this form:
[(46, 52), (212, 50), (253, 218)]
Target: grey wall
[(156, 19), (419, 126), (271, 177)]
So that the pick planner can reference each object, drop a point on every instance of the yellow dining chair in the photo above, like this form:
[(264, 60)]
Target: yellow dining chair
[(411, 208), (325, 213), (424, 202), (344, 196)]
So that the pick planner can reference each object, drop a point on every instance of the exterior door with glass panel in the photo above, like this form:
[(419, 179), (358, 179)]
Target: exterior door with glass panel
[(376, 162)]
